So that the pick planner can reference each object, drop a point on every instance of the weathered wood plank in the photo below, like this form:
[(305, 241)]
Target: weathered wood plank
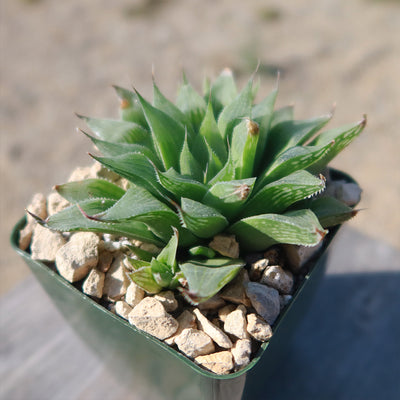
[(41, 358), (104, 386)]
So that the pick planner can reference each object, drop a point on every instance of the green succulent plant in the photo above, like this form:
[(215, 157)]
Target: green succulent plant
[(206, 165)]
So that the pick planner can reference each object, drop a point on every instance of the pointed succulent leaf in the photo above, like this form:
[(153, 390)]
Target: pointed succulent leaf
[(167, 106), (185, 80), (133, 264), (118, 131), (262, 114), (331, 211), (188, 164), (76, 218), (341, 138), (201, 153), (295, 227), (244, 147), (239, 108), (279, 195), (141, 254), (168, 253), (256, 87), (191, 104), (288, 134), (202, 251), (186, 237), (139, 205), (89, 189), (111, 149), (223, 91), (207, 278), (143, 277), (214, 164), (136, 202), (201, 220), (181, 186), (294, 159), (209, 130), (229, 197), (71, 217), (206, 87), (168, 135), (162, 273), (135, 167), (227, 173), (130, 108)]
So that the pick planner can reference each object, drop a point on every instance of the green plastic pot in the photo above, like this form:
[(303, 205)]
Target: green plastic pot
[(154, 370)]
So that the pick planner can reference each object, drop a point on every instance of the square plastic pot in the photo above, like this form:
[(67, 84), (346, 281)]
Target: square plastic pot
[(154, 370)]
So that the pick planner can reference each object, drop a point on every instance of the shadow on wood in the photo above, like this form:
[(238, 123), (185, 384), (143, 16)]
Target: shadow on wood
[(348, 346)]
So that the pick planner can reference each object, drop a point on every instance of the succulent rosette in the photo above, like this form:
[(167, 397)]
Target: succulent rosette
[(207, 165)]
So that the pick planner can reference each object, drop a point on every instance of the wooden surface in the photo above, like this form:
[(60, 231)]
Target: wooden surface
[(347, 347)]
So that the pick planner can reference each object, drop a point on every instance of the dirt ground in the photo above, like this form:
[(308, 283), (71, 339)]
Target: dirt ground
[(61, 57)]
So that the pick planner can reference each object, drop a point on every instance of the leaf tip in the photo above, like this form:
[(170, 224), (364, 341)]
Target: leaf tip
[(278, 78), (79, 130), (139, 96), (355, 212), (256, 70), (363, 122), (184, 77), (80, 116), (39, 220), (227, 72), (175, 231), (321, 233), (333, 109)]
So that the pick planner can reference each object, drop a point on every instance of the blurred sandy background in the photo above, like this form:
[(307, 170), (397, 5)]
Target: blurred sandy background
[(60, 57)]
